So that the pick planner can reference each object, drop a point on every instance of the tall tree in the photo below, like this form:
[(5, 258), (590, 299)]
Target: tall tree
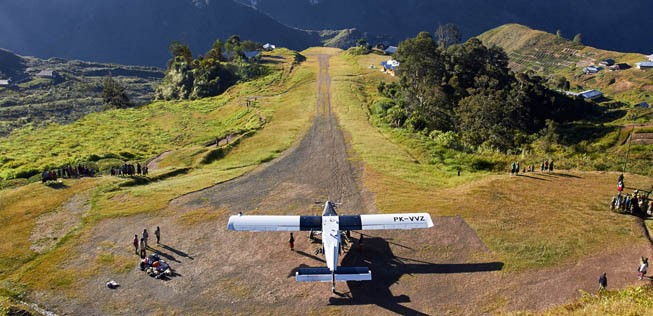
[(215, 52), (114, 94), (447, 35), (578, 39), (421, 71), (180, 50)]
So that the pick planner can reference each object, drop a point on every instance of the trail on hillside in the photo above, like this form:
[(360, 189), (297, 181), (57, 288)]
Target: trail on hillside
[(316, 169)]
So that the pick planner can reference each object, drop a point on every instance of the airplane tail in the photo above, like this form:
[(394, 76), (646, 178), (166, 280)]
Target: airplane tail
[(341, 274)]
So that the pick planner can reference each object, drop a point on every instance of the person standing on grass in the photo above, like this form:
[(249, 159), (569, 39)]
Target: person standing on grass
[(157, 233), (603, 282), (136, 244), (291, 242), (551, 166), (145, 236), (143, 253)]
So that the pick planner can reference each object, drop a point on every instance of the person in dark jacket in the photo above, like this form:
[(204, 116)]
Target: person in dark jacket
[(603, 282), (291, 242)]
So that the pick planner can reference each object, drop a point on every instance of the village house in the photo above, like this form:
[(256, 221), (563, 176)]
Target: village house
[(607, 62), (269, 47), (643, 105), (620, 66), (644, 65), (390, 50), (650, 57), (50, 74), (5, 82), (390, 66), (591, 94), (591, 69), (252, 55)]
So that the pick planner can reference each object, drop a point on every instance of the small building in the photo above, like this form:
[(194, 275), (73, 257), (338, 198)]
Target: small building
[(50, 74), (591, 69), (251, 55), (269, 47), (390, 50), (643, 105), (650, 57), (390, 66), (5, 82), (591, 94), (644, 65), (619, 66), (607, 62)]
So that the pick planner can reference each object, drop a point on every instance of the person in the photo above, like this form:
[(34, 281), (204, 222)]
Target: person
[(143, 253), (551, 166), (157, 233), (603, 282), (136, 244), (512, 168), (291, 241), (145, 236), (643, 267)]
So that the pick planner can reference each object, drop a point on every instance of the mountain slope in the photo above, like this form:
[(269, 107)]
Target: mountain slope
[(75, 92), (135, 32), (617, 25), (553, 57)]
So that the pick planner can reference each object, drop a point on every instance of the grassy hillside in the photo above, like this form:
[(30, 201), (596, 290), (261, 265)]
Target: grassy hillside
[(110, 137), (550, 56)]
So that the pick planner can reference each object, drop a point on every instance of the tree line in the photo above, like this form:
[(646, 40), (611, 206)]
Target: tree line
[(468, 89)]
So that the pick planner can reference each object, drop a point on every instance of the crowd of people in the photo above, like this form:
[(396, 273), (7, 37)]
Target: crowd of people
[(74, 172), (544, 167), (155, 266), (636, 203), (67, 172), (129, 170)]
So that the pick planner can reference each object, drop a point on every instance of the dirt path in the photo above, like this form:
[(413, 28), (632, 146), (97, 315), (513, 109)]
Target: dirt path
[(316, 169)]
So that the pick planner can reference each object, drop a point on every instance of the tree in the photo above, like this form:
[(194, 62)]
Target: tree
[(114, 95), (578, 39), (421, 71), (215, 52), (362, 42), (179, 50), (447, 35)]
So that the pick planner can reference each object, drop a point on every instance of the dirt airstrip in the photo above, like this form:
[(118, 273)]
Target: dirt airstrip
[(443, 270)]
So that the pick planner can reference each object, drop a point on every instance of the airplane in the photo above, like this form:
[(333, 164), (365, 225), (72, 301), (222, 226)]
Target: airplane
[(331, 225)]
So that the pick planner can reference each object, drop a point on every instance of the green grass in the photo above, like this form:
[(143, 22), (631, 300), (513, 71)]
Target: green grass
[(630, 301)]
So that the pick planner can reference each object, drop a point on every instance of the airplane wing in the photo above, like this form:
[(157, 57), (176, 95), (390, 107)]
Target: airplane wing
[(385, 221), (259, 223)]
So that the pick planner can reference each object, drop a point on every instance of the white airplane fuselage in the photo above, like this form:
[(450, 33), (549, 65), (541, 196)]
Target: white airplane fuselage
[(331, 239)]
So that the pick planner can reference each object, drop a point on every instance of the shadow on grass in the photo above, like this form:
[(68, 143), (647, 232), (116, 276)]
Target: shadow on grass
[(534, 178), (387, 269), (57, 185)]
